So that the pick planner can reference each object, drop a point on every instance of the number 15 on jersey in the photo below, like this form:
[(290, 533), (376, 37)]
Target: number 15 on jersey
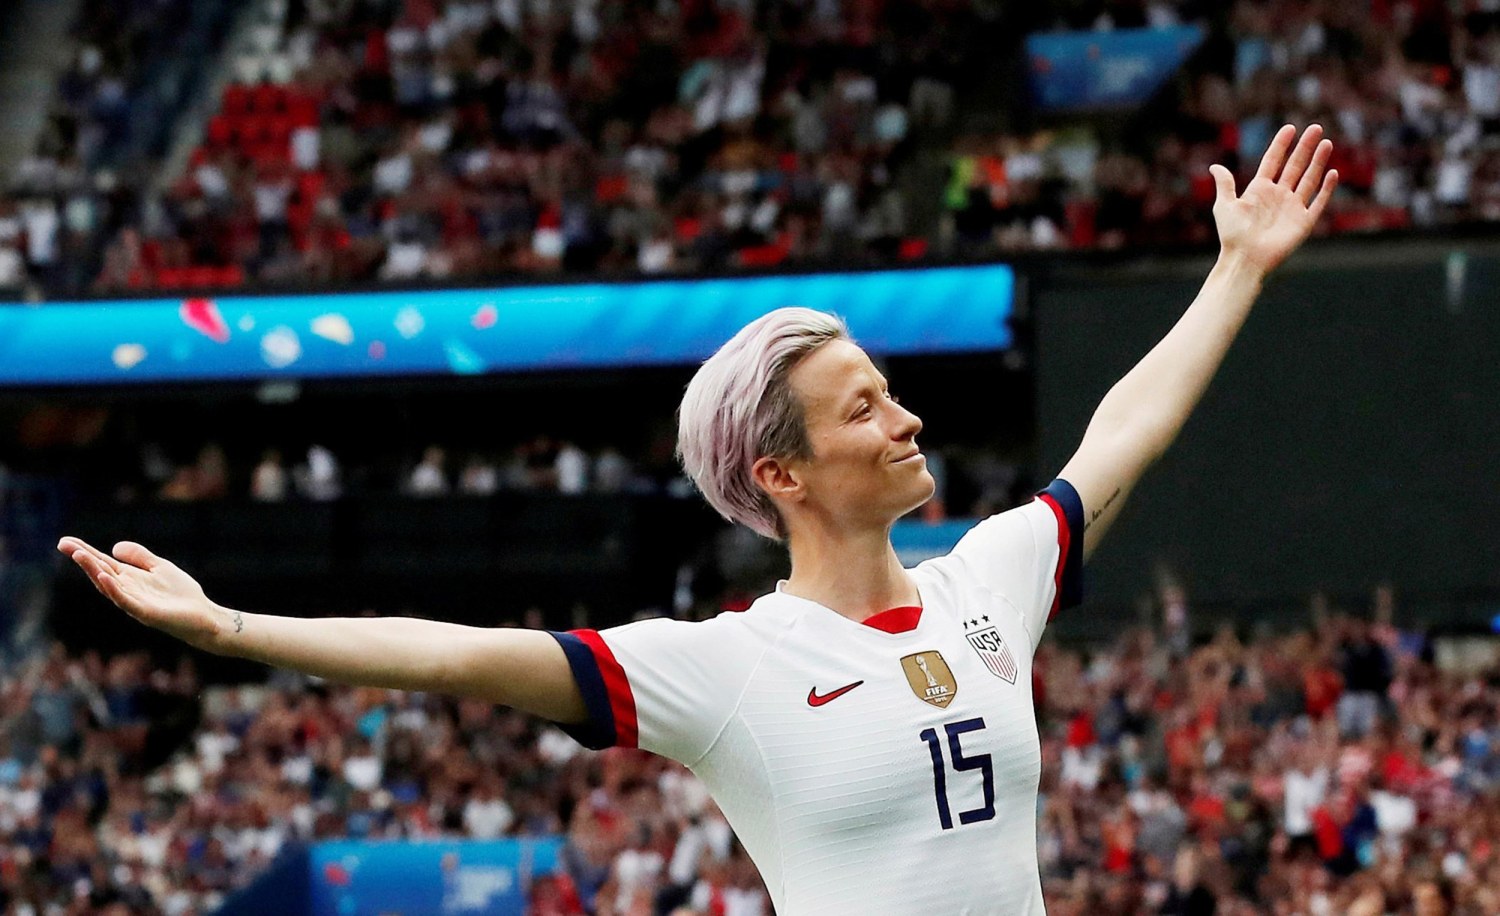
[(961, 763)]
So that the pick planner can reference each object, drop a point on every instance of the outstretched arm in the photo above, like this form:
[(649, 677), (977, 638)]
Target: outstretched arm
[(522, 668), (1144, 411)]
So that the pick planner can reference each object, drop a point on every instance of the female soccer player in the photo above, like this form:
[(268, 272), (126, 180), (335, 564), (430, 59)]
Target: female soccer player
[(867, 729)]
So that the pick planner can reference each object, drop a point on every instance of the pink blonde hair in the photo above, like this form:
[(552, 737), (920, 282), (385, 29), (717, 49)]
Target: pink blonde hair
[(740, 407)]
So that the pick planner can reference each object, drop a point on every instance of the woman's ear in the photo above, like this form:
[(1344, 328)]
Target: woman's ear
[(778, 478)]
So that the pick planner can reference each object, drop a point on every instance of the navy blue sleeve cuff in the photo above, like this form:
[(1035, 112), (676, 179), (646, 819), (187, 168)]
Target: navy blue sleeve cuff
[(598, 731), (1070, 584)]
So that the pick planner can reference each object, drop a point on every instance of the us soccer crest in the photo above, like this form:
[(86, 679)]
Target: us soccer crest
[(991, 648), (930, 678)]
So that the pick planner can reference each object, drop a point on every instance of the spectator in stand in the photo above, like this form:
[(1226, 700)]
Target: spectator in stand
[(319, 479), (479, 477), (268, 482), (1366, 670), (571, 469), (486, 815), (612, 471), (1304, 788), (429, 477)]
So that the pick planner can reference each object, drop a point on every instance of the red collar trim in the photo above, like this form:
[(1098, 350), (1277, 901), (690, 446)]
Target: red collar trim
[(895, 620)]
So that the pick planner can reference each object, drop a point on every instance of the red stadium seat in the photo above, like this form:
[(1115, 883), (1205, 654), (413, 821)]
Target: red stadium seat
[(310, 186), (1395, 218), (762, 255), (267, 99), (271, 155), (610, 188), (200, 277), (230, 276), (236, 99), (1362, 220), (220, 131), (170, 278), (279, 128), (253, 129), (687, 228), (303, 110), (1081, 214), (298, 215), (912, 249)]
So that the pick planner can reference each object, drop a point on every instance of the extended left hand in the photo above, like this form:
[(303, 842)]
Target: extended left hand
[(1283, 201)]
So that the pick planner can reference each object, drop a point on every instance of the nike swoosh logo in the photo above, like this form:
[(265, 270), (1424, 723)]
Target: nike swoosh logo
[(813, 699)]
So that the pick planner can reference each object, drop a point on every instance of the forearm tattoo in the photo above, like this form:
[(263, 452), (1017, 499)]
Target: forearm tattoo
[(239, 622), (1094, 516)]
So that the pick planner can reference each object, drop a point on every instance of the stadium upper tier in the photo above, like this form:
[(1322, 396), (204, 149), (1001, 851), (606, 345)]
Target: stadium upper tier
[(377, 140)]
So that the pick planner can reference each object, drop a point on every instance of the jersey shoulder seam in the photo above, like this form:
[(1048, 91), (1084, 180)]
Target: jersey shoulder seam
[(744, 688), (968, 580)]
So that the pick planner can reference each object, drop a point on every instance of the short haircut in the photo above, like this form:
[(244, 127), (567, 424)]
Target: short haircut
[(740, 408)]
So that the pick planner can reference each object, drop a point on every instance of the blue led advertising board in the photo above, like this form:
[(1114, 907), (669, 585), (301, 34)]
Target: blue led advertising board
[(474, 331)]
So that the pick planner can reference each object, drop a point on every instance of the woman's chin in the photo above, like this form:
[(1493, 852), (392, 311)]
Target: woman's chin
[(924, 491)]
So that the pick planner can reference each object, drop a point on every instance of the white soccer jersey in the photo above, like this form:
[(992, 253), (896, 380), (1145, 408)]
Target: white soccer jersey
[(888, 766)]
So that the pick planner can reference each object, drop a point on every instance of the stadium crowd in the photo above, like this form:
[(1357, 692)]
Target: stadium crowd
[(1409, 90), (971, 481), (1335, 769), (71, 194), (401, 141), (428, 139)]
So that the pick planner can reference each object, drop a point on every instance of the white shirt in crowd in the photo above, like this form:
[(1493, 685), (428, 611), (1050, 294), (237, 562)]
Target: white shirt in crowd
[(1304, 793), (427, 480), (319, 479), (269, 482), (363, 772), (572, 466), (214, 746), (634, 869), (737, 901), (41, 221), (487, 818), (711, 837), (12, 266)]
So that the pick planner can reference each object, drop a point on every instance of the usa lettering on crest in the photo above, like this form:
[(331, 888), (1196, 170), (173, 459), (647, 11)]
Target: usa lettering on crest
[(994, 653)]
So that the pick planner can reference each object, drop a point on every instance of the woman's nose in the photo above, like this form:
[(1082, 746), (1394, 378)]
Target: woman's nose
[(909, 424)]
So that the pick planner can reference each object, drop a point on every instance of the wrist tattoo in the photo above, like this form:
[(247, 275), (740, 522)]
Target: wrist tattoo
[(239, 622), (1094, 516)]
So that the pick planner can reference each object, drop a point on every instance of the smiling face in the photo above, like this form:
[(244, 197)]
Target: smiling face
[(865, 469)]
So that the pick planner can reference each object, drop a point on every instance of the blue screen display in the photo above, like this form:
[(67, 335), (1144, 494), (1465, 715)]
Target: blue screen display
[(1081, 71), (349, 878), (474, 331)]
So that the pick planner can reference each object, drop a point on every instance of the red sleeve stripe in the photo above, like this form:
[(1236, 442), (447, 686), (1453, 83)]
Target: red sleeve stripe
[(616, 687), (1063, 537)]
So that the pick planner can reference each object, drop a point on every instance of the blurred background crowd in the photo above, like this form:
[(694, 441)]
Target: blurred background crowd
[(1335, 768), (401, 140)]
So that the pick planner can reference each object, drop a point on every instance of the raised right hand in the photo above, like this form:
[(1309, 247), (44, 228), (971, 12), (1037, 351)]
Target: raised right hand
[(152, 590), (1283, 201)]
